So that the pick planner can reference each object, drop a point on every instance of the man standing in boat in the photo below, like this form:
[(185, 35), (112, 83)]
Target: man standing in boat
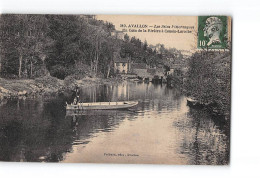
[(75, 95)]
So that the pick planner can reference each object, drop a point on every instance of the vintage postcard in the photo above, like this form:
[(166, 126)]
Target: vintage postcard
[(126, 89)]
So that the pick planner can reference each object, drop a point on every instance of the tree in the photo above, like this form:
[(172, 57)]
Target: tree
[(67, 45), (145, 45), (126, 38), (208, 79), (23, 39), (66, 32)]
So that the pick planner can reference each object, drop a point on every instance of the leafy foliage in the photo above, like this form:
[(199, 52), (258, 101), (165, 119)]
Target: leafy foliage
[(23, 43), (208, 79), (34, 45)]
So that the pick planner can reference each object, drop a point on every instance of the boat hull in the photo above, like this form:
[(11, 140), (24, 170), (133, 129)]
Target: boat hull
[(102, 105), (194, 103)]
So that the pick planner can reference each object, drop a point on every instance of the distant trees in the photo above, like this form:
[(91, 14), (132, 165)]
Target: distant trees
[(64, 45), (80, 42), (126, 38), (140, 52)]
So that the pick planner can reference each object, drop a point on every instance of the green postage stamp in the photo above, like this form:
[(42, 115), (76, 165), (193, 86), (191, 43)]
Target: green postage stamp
[(212, 32)]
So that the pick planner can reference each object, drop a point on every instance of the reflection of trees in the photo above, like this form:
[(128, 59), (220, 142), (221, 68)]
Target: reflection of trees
[(204, 142), (174, 92), (40, 131), (129, 91), (10, 138), (34, 131), (95, 121), (58, 135), (96, 93)]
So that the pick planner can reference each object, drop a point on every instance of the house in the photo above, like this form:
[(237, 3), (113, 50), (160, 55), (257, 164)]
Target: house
[(144, 71), (160, 71), (140, 69), (122, 65)]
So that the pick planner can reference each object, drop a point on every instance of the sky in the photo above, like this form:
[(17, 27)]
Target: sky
[(180, 41)]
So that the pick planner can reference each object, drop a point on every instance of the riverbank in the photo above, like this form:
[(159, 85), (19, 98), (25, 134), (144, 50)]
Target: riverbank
[(45, 85)]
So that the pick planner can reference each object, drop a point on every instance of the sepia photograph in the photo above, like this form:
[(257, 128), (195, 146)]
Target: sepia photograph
[(122, 89)]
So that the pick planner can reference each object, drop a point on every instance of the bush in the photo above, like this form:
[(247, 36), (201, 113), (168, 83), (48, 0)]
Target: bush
[(47, 81), (59, 71), (75, 71), (208, 80), (69, 80)]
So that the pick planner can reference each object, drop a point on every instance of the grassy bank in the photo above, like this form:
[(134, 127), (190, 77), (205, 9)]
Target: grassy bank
[(45, 85)]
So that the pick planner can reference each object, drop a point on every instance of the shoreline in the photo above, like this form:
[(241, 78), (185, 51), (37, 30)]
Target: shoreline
[(13, 88)]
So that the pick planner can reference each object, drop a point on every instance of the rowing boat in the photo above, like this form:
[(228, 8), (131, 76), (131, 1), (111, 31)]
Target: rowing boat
[(111, 112), (102, 105), (194, 103)]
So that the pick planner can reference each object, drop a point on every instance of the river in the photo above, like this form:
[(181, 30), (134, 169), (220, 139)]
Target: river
[(161, 129)]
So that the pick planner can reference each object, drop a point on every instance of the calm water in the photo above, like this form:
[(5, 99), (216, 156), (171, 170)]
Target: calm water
[(161, 129)]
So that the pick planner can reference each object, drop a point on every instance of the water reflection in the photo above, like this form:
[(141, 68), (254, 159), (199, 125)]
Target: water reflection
[(161, 129), (204, 141)]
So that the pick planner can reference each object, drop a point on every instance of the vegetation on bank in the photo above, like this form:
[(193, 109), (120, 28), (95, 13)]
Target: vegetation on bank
[(46, 85), (208, 80), (25, 87), (48, 53), (68, 45), (176, 79)]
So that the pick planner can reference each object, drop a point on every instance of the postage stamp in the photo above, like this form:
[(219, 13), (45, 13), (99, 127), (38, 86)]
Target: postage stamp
[(212, 32)]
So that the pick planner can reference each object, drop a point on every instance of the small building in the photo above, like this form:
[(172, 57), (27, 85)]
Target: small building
[(144, 71), (122, 65), (160, 71), (140, 69)]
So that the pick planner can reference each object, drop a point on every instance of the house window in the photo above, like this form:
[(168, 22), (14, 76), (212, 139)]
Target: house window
[(123, 64), (117, 64)]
